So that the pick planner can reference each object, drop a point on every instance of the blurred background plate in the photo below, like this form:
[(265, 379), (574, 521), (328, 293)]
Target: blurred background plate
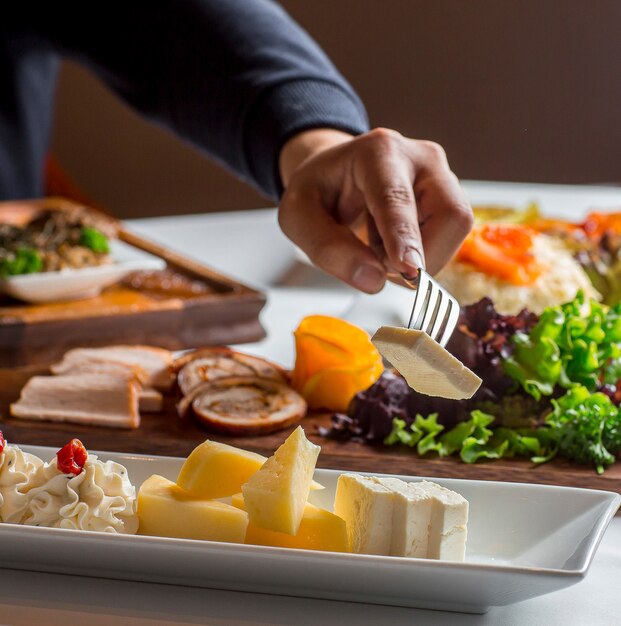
[(72, 284)]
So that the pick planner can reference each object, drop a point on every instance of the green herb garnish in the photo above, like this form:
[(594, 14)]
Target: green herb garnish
[(23, 261), (94, 239), (587, 427)]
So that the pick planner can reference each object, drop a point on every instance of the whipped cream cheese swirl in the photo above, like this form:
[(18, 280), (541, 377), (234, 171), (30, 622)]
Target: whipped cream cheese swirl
[(99, 498), (16, 470)]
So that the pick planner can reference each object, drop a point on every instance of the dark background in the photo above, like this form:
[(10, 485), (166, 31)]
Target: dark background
[(521, 91)]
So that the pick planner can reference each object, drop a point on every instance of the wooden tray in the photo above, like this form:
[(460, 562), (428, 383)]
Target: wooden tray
[(220, 311), (166, 434)]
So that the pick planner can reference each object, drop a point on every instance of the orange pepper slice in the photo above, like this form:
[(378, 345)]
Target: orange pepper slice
[(334, 361), (596, 224), (504, 251)]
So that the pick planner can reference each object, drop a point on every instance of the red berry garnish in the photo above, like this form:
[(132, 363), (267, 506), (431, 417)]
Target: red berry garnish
[(71, 458), (2, 442)]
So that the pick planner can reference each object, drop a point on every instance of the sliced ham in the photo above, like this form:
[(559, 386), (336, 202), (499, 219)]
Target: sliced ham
[(149, 400), (155, 362), (89, 398), (113, 368)]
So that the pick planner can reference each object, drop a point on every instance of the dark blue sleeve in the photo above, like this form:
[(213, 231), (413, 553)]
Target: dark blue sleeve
[(236, 78)]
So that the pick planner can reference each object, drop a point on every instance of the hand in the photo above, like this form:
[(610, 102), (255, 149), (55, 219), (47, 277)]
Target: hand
[(361, 207)]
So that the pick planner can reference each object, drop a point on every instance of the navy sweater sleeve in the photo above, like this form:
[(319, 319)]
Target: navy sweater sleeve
[(236, 78)]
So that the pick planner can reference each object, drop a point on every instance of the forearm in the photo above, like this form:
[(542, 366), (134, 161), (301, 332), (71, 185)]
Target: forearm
[(237, 78)]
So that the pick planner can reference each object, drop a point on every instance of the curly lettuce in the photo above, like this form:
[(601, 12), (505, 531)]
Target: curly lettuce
[(583, 427), (472, 439), (578, 343)]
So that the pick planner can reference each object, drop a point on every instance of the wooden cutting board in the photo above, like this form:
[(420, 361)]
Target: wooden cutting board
[(185, 305), (166, 434)]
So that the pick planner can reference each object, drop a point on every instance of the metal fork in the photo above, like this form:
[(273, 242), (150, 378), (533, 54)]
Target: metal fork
[(435, 310)]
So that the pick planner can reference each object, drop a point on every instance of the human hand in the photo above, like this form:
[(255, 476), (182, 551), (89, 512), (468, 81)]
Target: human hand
[(362, 207)]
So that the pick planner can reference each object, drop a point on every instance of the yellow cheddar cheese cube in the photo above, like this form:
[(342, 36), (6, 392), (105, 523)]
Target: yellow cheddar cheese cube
[(217, 470), (319, 530), (276, 495), (166, 510)]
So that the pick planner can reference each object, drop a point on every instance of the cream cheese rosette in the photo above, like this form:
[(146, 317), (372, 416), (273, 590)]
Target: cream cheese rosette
[(16, 470), (84, 494)]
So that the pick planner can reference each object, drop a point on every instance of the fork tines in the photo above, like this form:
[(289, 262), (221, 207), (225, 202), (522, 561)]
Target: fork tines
[(435, 310)]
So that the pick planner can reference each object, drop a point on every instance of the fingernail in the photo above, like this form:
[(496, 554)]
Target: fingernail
[(368, 278), (413, 259)]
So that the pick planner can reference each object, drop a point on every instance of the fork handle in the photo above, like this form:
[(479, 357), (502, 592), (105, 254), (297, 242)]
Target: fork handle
[(401, 280)]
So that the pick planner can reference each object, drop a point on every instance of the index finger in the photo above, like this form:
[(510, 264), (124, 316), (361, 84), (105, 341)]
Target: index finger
[(385, 176)]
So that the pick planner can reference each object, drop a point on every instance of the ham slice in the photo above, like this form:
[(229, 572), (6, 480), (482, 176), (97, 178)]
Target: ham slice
[(156, 363), (149, 400), (88, 398)]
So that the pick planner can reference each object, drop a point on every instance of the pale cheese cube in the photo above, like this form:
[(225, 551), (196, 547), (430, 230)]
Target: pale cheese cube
[(216, 470), (165, 510), (276, 495), (426, 366), (319, 530)]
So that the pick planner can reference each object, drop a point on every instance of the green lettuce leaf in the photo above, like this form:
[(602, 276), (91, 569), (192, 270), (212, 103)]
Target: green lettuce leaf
[(578, 343)]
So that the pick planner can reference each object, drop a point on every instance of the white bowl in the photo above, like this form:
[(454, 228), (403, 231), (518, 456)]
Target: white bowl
[(74, 284)]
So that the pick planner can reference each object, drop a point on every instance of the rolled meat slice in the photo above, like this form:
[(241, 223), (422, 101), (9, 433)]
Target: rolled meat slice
[(246, 405), (210, 364)]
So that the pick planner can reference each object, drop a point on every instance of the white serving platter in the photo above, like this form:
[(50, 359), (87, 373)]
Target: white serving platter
[(73, 284), (523, 541)]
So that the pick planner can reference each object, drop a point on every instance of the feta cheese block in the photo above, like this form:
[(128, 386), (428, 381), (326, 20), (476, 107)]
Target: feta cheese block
[(165, 510), (319, 530), (276, 495), (449, 519), (426, 366), (390, 517), (429, 521), (411, 519), (367, 508)]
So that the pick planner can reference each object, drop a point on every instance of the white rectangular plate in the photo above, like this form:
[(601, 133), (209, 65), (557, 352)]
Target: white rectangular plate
[(523, 541)]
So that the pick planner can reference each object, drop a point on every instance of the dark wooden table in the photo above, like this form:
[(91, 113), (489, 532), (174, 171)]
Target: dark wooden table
[(167, 434)]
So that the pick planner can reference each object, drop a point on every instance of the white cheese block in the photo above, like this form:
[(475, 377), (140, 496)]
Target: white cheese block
[(449, 519), (429, 521), (391, 517), (367, 508), (426, 366), (411, 519)]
